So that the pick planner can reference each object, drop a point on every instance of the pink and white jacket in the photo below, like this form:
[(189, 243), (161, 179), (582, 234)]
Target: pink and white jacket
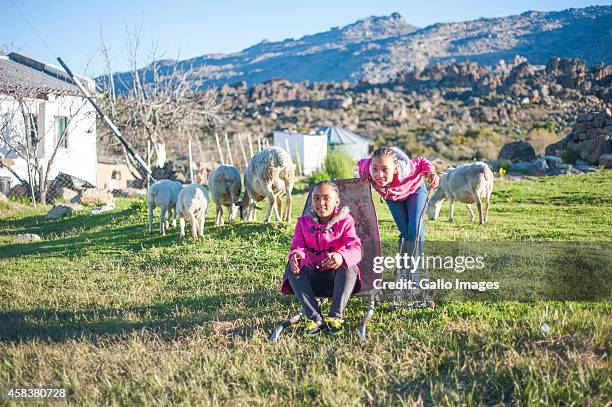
[(315, 240), (408, 179)]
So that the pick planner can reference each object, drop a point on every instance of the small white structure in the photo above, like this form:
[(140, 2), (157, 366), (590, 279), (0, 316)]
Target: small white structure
[(43, 112), (352, 144), (310, 149)]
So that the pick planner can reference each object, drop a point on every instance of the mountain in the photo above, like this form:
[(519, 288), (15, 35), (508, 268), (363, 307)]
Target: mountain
[(376, 49)]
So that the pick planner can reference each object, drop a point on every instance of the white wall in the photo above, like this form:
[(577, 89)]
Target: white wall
[(79, 159), (312, 150)]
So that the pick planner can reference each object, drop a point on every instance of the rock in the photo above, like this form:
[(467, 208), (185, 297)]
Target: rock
[(524, 168), (26, 238), (553, 161), (130, 192), (94, 196), (18, 191), (585, 118), (66, 194), (585, 168), (61, 210), (540, 166), (556, 149), (3, 198), (605, 160), (106, 208), (517, 151), (591, 150)]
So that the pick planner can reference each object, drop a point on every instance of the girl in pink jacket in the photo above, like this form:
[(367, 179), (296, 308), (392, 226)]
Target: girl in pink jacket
[(399, 181), (323, 259)]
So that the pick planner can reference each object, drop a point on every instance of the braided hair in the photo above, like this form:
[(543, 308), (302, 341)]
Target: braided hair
[(386, 152)]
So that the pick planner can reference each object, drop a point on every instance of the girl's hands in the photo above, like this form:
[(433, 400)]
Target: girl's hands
[(434, 180), (295, 262), (334, 260)]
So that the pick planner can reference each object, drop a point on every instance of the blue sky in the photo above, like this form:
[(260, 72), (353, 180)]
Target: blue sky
[(191, 28)]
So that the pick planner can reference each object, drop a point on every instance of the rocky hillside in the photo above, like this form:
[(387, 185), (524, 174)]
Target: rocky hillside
[(376, 49)]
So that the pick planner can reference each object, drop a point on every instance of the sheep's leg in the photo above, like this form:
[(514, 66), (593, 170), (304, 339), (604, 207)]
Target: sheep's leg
[(201, 220), (277, 209), (479, 206), (452, 209), (288, 191), (182, 227), (219, 219), (271, 203), (150, 205), (194, 226), (232, 214), (486, 214), (162, 221), (471, 212), (173, 217)]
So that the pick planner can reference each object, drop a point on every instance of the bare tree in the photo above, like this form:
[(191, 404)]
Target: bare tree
[(156, 102)]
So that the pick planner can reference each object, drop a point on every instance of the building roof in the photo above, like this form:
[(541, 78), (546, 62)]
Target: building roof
[(29, 77), (338, 135)]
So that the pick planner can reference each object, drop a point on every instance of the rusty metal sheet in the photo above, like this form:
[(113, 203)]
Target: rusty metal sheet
[(357, 195)]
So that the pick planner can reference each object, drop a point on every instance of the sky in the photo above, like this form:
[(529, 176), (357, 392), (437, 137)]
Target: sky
[(186, 29)]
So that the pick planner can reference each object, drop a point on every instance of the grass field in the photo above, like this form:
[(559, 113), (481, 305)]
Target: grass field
[(119, 316)]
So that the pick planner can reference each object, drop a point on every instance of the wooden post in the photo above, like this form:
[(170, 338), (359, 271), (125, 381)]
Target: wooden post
[(219, 148), (229, 152), (250, 144), (258, 144), (190, 161), (246, 162)]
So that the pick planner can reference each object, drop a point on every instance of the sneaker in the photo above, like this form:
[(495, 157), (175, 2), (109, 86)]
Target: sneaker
[(335, 326), (313, 327)]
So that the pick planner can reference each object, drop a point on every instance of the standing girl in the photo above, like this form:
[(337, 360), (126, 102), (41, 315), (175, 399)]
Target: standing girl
[(399, 181)]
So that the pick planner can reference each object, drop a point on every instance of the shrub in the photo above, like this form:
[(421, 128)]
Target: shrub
[(339, 164), (318, 176), (569, 156), (139, 205)]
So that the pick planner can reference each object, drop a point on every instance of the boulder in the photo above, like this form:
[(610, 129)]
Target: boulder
[(66, 194), (552, 161), (61, 210), (517, 151), (26, 238), (18, 191), (130, 192), (591, 150), (605, 160), (94, 196)]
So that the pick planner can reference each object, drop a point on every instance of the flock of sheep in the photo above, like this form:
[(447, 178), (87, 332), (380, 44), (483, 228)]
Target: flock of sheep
[(270, 174)]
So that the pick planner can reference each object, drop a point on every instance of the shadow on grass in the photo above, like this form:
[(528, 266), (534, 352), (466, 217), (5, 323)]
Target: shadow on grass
[(115, 231), (160, 319)]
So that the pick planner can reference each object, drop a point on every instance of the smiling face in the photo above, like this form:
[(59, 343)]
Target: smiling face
[(383, 170), (325, 200)]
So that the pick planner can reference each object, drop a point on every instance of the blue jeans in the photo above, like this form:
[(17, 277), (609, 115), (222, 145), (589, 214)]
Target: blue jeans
[(406, 216)]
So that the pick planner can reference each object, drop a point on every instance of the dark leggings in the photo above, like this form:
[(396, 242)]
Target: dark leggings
[(310, 283)]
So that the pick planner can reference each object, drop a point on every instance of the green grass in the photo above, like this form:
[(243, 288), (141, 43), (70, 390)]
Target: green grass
[(121, 316)]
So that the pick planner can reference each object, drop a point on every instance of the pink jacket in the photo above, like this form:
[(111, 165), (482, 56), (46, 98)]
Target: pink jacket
[(408, 179), (315, 240)]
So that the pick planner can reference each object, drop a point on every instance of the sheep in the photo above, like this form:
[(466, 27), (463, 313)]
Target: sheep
[(225, 184), (164, 194), (469, 183), (270, 173), (192, 203)]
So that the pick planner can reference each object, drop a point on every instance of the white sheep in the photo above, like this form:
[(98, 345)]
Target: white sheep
[(225, 186), (163, 193), (469, 183), (270, 174), (192, 204)]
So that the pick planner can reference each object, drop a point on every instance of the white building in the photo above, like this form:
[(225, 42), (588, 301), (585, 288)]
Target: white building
[(43, 112), (308, 149)]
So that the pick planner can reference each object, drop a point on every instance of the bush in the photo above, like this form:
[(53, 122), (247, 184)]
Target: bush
[(318, 176), (569, 156), (339, 164), (139, 205)]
